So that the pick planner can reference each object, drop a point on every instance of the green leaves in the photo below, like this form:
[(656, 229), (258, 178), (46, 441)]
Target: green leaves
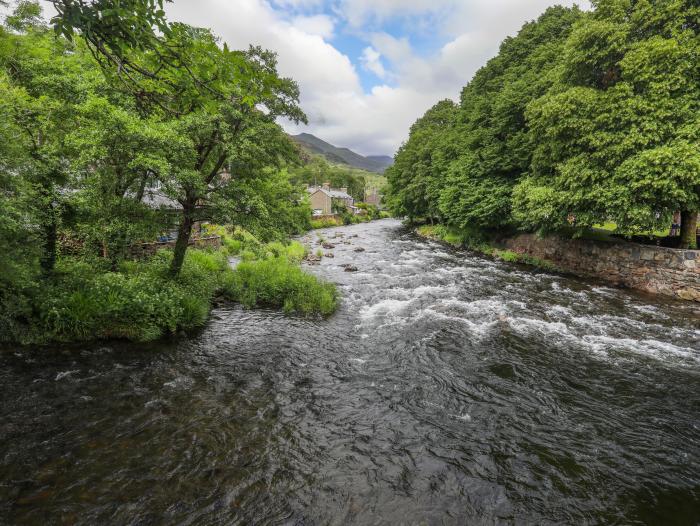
[(617, 137), (460, 164)]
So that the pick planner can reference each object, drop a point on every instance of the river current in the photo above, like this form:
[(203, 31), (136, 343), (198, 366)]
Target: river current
[(447, 389)]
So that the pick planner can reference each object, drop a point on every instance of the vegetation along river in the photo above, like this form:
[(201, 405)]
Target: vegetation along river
[(448, 389)]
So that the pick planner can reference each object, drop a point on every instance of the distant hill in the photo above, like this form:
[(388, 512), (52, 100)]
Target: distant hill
[(384, 160), (374, 163)]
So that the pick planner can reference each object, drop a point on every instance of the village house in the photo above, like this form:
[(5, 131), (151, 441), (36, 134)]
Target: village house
[(323, 197)]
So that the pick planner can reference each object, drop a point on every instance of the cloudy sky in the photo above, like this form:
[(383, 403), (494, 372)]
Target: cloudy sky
[(368, 68)]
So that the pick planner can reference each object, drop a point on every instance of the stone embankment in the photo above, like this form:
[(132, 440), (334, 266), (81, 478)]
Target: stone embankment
[(657, 270)]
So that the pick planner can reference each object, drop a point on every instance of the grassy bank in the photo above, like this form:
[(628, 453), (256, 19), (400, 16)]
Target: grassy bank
[(482, 242), (346, 218), (83, 301)]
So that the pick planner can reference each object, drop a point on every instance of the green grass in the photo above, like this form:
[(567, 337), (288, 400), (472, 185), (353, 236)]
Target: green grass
[(514, 257), (611, 227), (141, 302), (278, 283), (479, 242), (326, 222)]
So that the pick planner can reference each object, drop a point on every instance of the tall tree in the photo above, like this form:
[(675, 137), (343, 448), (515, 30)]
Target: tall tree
[(226, 101), (49, 80), (494, 139), (415, 178), (618, 135), (118, 156)]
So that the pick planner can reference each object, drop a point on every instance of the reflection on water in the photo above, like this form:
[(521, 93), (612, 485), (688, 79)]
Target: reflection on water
[(448, 389)]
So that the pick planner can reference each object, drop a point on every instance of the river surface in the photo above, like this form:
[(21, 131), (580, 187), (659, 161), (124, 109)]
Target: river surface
[(448, 389)]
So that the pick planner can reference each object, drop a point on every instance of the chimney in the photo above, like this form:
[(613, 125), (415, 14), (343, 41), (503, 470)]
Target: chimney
[(326, 186), (344, 190)]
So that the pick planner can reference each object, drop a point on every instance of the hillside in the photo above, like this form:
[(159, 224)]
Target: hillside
[(334, 154)]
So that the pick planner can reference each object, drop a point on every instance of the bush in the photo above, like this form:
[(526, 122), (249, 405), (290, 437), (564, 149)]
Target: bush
[(327, 222), (278, 283), (296, 252), (141, 302), (232, 247)]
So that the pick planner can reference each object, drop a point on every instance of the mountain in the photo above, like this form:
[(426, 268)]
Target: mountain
[(373, 163), (384, 160)]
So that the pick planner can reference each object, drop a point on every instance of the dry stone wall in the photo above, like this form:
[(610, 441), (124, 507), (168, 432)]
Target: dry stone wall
[(657, 270)]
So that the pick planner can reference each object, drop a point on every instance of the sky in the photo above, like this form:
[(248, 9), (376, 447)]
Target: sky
[(368, 69)]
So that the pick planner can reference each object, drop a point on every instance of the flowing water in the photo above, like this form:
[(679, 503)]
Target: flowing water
[(448, 389)]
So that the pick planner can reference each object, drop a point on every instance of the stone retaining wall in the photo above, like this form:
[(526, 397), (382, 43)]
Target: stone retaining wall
[(149, 249), (657, 270)]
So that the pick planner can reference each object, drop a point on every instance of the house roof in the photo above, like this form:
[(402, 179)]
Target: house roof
[(336, 194), (156, 199)]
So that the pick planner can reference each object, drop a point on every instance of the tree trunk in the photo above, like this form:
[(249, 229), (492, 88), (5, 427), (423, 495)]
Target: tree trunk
[(49, 241), (183, 239), (689, 225)]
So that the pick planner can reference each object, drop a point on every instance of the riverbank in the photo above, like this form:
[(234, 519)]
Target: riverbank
[(655, 270), (372, 213), (481, 244), (140, 301)]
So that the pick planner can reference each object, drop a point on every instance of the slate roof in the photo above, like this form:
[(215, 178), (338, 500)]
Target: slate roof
[(156, 199), (335, 194)]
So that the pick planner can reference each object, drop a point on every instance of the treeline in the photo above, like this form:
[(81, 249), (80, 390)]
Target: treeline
[(582, 118), (317, 170), (117, 127)]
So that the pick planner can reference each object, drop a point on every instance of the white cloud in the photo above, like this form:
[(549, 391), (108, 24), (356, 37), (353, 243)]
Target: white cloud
[(372, 61), (357, 12), (338, 108), (321, 25)]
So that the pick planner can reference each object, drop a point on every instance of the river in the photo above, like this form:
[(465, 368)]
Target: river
[(448, 389)]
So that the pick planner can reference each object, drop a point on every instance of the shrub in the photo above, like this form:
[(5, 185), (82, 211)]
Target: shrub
[(296, 252), (141, 302), (508, 256), (248, 255), (327, 222), (278, 283), (232, 247)]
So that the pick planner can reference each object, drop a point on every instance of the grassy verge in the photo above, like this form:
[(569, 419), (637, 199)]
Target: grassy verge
[(277, 283), (270, 276), (346, 218), (327, 222), (480, 242), (85, 301)]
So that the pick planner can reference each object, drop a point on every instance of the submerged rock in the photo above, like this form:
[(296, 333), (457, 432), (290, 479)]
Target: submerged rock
[(359, 249), (327, 245), (350, 268)]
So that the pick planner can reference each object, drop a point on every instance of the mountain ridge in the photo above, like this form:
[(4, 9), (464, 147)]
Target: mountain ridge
[(342, 155)]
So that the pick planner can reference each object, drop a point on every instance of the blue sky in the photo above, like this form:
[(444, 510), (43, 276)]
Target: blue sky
[(354, 40), (368, 69)]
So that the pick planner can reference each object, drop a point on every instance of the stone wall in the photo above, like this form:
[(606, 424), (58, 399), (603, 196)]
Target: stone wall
[(148, 249), (656, 270)]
